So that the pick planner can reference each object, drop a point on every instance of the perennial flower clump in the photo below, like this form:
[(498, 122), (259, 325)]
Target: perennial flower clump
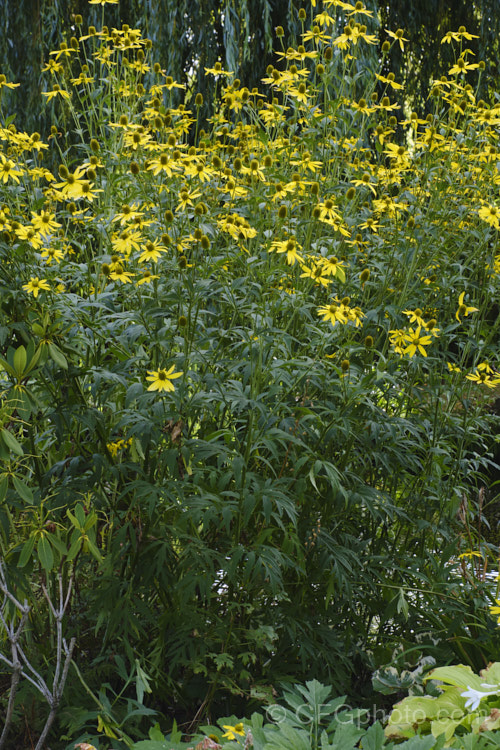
[(260, 350)]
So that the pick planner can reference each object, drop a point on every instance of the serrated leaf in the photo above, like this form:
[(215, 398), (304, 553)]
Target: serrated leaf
[(374, 738)]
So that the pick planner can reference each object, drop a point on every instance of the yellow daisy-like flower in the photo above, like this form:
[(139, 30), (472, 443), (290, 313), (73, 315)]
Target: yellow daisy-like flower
[(161, 380), (147, 278), (119, 274), (8, 170), (416, 342), (233, 732), (491, 215), (52, 254), (398, 36), (35, 286), (496, 610), (482, 378), (463, 310)]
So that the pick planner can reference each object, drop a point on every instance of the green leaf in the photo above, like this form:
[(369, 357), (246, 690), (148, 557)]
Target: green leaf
[(74, 549), (4, 486), (11, 442), (45, 554), (340, 274), (20, 361), (75, 521), (22, 489), (374, 738), (94, 551), (26, 552), (141, 682), (57, 356), (460, 676), (7, 367)]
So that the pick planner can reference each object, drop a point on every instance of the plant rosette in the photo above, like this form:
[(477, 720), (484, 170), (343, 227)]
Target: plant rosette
[(468, 703)]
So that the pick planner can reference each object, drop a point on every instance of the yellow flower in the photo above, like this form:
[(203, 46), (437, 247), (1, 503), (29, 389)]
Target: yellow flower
[(333, 267), (5, 84), (316, 272), (118, 274), (415, 316), (53, 67), (56, 91), (462, 66), (232, 732), (398, 36), (335, 313), (482, 378), (35, 285), (416, 342), (52, 253), (463, 310), (496, 610), (161, 381), (44, 222), (470, 553), (7, 169), (152, 252), (491, 215), (290, 247), (147, 278)]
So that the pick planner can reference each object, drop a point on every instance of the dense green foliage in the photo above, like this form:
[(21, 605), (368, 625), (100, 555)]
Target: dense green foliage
[(248, 378)]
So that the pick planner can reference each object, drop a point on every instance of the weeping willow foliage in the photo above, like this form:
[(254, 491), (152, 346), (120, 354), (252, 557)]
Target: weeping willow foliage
[(189, 35), (426, 22)]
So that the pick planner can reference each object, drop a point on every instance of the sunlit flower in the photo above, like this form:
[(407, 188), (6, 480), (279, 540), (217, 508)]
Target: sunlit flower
[(152, 251), (4, 84), (416, 342), (119, 274), (231, 732), (8, 170), (463, 310), (398, 36), (491, 215), (52, 254), (415, 316), (56, 91), (36, 285), (462, 66), (290, 247), (161, 379), (483, 378), (44, 222)]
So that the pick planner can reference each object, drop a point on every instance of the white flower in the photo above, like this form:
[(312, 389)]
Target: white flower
[(474, 697)]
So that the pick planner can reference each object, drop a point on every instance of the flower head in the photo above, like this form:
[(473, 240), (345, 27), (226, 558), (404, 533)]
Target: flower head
[(161, 379), (232, 732), (463, 310), (35, 286), (474, 697)]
